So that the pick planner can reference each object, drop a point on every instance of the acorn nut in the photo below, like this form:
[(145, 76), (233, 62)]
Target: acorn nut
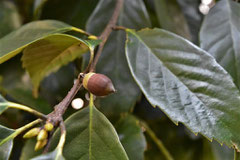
[(98, 84)]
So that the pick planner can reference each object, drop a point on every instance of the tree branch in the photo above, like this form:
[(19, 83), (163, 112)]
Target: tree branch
[(107, 31), (56, 116)]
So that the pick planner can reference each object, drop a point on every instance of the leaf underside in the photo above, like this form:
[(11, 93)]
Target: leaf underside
[(186, 83), (47, 55), (15, 42)]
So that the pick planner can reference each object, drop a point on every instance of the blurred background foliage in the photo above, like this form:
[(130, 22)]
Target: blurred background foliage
[(179, 16)]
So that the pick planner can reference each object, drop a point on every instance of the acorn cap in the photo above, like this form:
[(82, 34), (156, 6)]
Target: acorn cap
[(98, 84)]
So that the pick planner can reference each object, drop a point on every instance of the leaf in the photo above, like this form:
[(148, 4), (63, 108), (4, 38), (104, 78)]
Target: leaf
[(15, 42), (220, 36), (190, 9), (170, 17), (91, 136), (132, 137), (186, 83), (76, 13), (112, 61), (28, 151), (6, 148), (3, 104), (55, 155), (49, 54), (9, 16)]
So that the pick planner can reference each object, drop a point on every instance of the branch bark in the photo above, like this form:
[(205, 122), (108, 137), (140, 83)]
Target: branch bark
[(56, 116), (106, 33)]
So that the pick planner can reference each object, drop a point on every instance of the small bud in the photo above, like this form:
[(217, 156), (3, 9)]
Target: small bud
[(42, 135), (98, 84), (77, 103), (48, 127), (32, 133), (92, 37), (40, 144)]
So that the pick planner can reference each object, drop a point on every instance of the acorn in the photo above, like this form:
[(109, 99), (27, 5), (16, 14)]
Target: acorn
[(98, 84)]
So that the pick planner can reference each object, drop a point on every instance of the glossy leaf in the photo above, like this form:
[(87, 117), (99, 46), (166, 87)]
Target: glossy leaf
[(9, 16), (6, 148), (92, 137), (49, 54), (170, 17), (15, 42), (3, 104), (220, 36), (132, 137), (186, 83), (112, 61)]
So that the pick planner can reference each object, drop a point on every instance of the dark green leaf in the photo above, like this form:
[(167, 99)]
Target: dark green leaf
[(220, 36), (3, 104), (186, 83), (15, 42), (9, 16), (28, 150), (74, 12), (170, 17), (132, 137), (6, 148), (112, 61), (190, 9), (49, 54), (91, 136)]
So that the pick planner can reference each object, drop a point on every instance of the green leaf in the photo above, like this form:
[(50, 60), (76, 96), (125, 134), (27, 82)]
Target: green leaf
[(9, 16), (6, 148), (55, 155), (49, 54), (220, 36), (186, 83), (112, 61), (170, 17), (76, 12), (91, 136), (3, 104), (15, 42), (131, 137), (190, 9)]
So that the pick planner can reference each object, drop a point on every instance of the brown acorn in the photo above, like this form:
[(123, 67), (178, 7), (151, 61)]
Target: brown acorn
[(98, 84)]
